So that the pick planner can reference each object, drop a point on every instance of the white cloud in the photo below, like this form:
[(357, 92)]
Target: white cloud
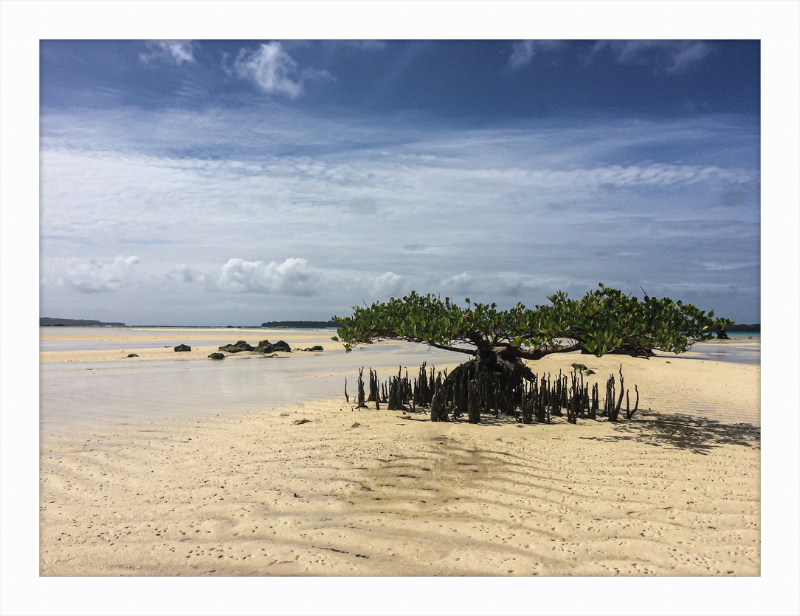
[(673, 57), (274, 71), (510, 287), (121, 182), (460, 283), (724, 267), (362, 205), (682, 58), (270, 68), (522, 52), (186, 273), (387, 284), (97, 277), (175, 52), (292, 277)]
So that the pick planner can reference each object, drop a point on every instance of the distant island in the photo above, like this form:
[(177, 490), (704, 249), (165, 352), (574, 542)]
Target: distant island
[(743, 327), (49, 322), (291, 324)]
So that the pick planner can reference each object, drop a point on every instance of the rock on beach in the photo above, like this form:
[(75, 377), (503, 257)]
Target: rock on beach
[(237, 348), (265, 346)]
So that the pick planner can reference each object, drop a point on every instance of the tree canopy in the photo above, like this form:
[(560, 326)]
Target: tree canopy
[(603, 321)]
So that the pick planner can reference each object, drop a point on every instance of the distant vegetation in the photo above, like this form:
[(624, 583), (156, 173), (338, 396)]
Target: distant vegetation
[(291, 324), (49, 321), (744, 327)]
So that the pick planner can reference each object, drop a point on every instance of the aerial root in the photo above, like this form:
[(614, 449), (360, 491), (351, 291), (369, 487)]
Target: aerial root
[(498, 387)]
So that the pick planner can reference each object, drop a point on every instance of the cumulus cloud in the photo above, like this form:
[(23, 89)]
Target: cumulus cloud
[(274, 71), (387, 284), (97, 277), (292, 277), (522, 52), (173, 52)]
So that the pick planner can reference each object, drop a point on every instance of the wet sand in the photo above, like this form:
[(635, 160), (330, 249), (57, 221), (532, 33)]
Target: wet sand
[(362, 492)]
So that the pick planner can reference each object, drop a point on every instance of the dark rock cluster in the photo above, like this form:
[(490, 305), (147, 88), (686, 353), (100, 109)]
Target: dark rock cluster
[(182, 347), (237, 348), (265, 346)]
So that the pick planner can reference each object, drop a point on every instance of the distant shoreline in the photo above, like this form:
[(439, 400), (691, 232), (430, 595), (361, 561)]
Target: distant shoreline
[(301, 324), (53, 322), (233, 326), (743, 328)]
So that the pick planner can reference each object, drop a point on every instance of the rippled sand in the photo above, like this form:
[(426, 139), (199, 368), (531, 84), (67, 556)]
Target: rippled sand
[(674, 492)]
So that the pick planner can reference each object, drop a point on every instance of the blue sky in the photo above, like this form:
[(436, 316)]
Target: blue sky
[(235, 182)]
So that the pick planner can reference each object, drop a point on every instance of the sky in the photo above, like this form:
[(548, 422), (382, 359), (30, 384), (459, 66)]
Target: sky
[(238, 182)]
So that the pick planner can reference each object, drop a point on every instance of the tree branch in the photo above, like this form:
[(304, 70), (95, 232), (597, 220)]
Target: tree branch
[(456, 349), (534, 354)]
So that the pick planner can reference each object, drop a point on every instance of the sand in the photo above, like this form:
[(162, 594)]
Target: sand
[(362, 492)]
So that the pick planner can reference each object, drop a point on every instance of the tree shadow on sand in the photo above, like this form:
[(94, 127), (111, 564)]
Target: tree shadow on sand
[(694, 434), (683, 432)]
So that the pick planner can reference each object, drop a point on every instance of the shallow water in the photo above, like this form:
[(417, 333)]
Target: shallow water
[(84, 345), (77, 395), (73, 338), (735, 350)]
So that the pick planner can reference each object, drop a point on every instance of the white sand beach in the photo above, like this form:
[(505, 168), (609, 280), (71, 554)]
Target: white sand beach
[(197, 487)]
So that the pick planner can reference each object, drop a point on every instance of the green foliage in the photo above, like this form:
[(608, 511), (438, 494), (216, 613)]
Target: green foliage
[(602, 321)]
